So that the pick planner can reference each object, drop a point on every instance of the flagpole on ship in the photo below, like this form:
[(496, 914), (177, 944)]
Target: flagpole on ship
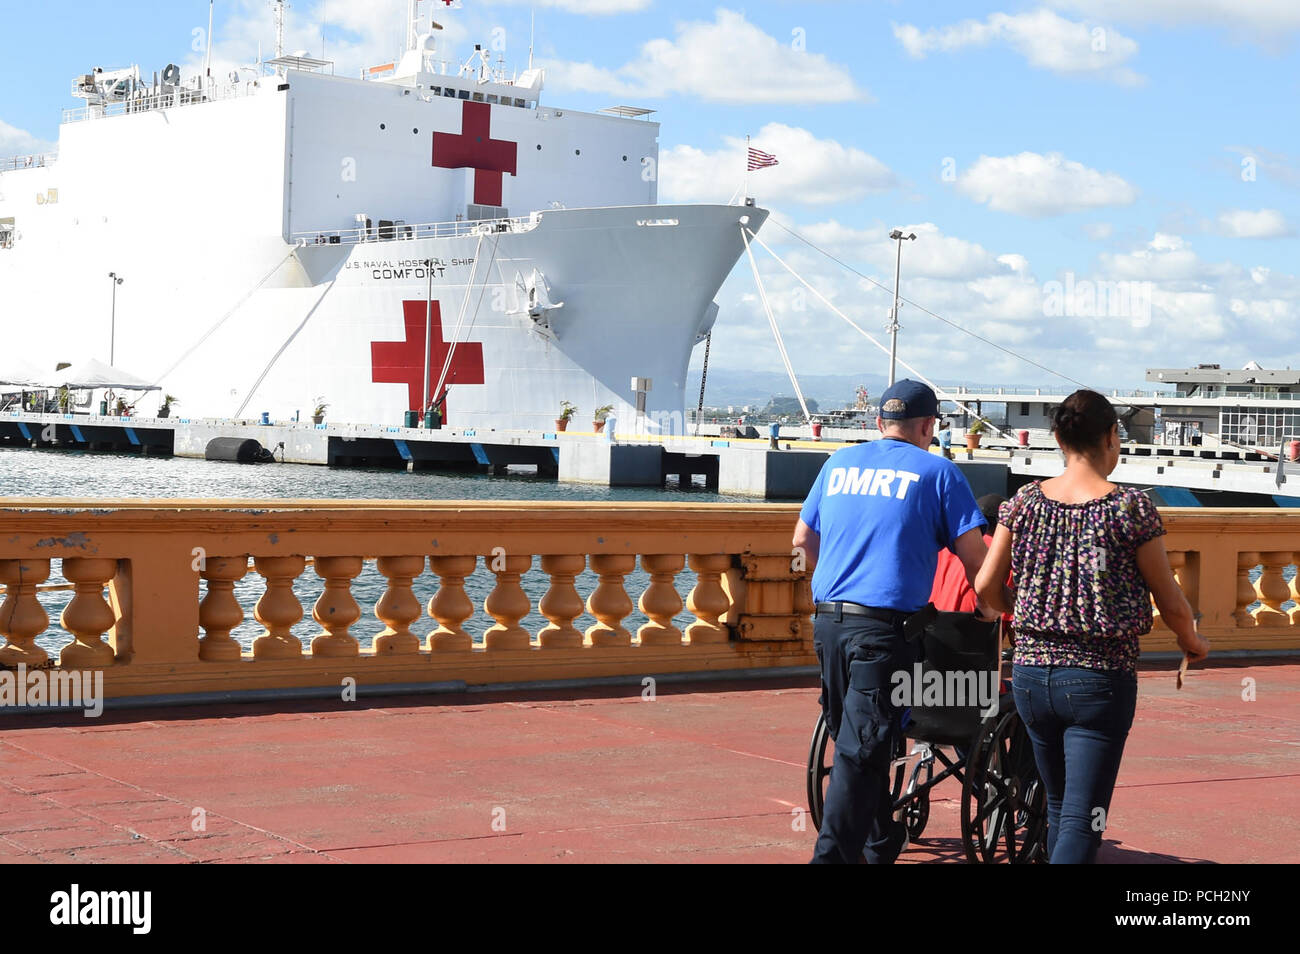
[(746, 189)]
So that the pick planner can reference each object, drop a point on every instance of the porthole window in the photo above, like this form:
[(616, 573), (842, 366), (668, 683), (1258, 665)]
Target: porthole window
[(415, 132), (382, 126), (625, 158), (539, 146), (577, 152)]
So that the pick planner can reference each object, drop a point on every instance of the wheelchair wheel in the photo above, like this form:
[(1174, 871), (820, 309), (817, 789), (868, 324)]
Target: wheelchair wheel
[(916, 813), (1004, 804), (821, 756)]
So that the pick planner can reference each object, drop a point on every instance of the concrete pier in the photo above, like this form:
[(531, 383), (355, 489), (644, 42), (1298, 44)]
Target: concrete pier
[(1184, 476)]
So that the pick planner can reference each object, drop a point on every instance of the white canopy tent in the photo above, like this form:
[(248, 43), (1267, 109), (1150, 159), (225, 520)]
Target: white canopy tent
[(93, 374), (15, 371)]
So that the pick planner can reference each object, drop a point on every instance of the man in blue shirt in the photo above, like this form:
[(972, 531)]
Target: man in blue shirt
[(872, 527)]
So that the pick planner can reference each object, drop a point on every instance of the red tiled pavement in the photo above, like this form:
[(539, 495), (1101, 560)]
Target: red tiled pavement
[(702, 773)]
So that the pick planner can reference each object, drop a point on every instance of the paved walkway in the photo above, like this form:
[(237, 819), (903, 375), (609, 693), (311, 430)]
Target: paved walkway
[(701, 773)]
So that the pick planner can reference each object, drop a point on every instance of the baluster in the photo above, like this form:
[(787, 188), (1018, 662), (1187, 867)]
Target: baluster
[(398, 608), (1295, 589), (803, 607), (1245, 589), (609, 601), (451, 606), (335, 609), (708, 601), (1272, 590), (88, 616), (561, 604), (661, 601), (508, 604), (220, 611), (22, 618), (278, 609), (1177, 563)]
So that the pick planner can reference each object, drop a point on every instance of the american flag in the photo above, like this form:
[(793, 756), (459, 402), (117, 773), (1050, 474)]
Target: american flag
[(759, 159)]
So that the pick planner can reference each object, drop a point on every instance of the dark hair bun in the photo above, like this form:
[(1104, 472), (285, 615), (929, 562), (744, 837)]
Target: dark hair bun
[(1083, 420)]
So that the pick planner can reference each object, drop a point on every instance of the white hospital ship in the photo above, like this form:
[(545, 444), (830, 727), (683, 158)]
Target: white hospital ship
[(287, 236)]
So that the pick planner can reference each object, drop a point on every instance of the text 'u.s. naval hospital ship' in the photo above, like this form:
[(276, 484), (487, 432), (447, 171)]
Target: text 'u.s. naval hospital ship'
[(427, 231)]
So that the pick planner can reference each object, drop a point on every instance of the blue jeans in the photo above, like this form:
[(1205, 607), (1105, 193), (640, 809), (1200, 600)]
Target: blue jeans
[(1078, 721), (858, 656)]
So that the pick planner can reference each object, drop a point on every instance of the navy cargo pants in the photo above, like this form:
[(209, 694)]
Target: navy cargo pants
[(858, 655)]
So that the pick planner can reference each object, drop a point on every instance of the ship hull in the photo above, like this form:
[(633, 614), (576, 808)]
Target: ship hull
[(231, 305)]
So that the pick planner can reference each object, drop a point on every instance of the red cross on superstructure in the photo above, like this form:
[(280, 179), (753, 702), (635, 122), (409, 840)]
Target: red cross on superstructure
[(402, 362), (475, 149)]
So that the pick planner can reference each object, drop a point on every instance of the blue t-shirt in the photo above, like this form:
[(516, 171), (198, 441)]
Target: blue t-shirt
[(883, 511)]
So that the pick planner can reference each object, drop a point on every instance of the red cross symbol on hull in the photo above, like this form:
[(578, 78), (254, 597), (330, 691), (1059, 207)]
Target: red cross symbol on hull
[(475, 149), (402, 362)]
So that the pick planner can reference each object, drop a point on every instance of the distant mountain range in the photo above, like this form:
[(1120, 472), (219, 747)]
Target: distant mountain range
[(831, 391)]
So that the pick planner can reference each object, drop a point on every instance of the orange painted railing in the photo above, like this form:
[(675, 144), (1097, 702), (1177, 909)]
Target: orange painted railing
[(156, 589), (178, 597)]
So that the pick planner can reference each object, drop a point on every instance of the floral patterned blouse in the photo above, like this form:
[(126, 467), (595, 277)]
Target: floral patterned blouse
[(1080, 600)]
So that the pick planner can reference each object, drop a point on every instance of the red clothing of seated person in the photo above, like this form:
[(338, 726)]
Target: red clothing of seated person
[(952, 593)]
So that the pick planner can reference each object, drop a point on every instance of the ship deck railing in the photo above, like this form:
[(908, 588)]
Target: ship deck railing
[(36, 161), (150, 101), (397, 230), (1045, 392)]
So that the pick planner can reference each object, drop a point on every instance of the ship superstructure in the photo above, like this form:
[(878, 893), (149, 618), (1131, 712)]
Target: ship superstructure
[(424, 232)]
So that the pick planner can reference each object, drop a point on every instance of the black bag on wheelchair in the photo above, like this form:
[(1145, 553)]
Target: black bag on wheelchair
[(963, 654)]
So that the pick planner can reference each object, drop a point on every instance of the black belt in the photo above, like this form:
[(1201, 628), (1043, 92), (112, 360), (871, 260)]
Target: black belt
[(840, 609)]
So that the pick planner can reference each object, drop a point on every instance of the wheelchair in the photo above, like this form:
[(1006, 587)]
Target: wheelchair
[(1003, 801)]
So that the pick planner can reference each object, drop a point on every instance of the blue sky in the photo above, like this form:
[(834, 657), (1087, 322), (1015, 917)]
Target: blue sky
[(1150, 142)]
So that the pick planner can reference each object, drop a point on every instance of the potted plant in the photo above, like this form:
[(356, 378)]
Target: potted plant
[(974, 433), (598, 419), (318, 415), (165, 409), (567, 411)]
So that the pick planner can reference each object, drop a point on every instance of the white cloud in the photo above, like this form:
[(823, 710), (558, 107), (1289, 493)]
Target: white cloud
[(1243, 223), (931, 255), (357, 33), (1038, 185), (19, 142), (1046, 41), (591, 7), (811, 171), (1164, 258), (1098, 231), (727, 61), (1266, 165), (1198, 310), (1262, 16)]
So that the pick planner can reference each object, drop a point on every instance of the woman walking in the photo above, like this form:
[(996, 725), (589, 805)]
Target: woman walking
[(1087, 557)]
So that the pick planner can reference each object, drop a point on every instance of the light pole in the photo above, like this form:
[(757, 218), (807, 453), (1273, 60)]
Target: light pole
[(112, 326), (899, 237), (428, 332)]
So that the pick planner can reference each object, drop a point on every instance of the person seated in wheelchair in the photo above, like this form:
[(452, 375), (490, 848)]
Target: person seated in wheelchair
[(952, 591)]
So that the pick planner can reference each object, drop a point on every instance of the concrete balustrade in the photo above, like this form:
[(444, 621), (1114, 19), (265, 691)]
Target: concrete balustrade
[(749, 604), (173, 571)]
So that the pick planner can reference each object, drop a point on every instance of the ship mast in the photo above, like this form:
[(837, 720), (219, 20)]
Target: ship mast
[(279, 28), (412, 23)]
